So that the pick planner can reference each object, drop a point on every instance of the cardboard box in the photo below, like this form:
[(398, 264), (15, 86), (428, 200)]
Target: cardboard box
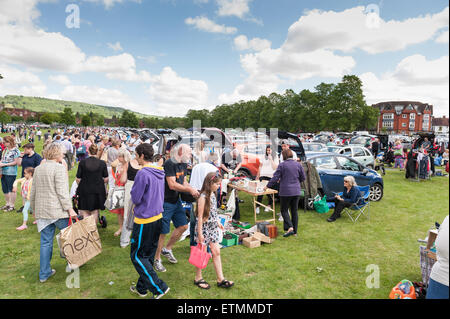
[(252, 186), (251, 242), (263, 238), (432, 234)]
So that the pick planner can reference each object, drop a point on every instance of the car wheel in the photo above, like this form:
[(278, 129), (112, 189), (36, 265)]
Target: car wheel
[(376, 192)]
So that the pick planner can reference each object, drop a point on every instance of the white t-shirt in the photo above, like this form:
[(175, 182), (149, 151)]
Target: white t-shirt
[(439, 272), (199, 173), (294, 156), (266, 168)]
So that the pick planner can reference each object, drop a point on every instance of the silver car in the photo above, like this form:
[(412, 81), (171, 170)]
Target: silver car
[(360, 154)]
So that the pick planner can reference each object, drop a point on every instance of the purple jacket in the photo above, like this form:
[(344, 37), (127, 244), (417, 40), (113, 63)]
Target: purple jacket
[(290, 174), (148, 192)]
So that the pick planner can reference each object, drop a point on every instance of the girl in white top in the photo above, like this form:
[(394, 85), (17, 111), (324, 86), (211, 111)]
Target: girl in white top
[(269, 164), (439, 280)]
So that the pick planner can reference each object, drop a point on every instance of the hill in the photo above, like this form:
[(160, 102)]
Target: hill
[(39, 104)]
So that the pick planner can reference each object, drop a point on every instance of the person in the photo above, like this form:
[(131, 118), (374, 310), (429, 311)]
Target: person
[(132, 167), (133, 142), (398, 153), (120, 178), (17, 139), (175, 170), (375, 146), (198, 175), (231, 163), (200, 155), (39, 134), (349, 197), (91, 177), (29, 158), (285, 146), (103, 147), (112, 154), (47, 135), (50, 201), (290, 175), (445, 157), (147, 194), (9, 163), (439, 281), (26, 184), (208, 228), (269, 163), (68, 148)]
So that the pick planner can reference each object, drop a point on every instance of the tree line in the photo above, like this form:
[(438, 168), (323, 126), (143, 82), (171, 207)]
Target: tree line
[(329, 107)]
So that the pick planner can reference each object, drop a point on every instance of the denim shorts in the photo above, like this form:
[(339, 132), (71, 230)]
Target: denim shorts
[(7, 183), (175, 213)]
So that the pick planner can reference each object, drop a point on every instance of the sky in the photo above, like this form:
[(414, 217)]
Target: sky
[(164, 57)]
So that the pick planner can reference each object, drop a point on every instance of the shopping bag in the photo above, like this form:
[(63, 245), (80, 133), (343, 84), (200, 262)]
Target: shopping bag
[(116, 198), (231, 202), (130, 218), (199, 256), (80, 242), (321, 206)]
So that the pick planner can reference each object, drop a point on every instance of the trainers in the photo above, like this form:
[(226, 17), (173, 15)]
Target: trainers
[(134, 290), (257, 210), (161, 295), (280, 218), (169, 255), (159, 266), (44, 280)]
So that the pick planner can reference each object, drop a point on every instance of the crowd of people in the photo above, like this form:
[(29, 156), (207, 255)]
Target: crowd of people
[(152, 189)]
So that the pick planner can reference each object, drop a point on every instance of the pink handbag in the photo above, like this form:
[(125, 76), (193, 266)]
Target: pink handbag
[(199, 256)]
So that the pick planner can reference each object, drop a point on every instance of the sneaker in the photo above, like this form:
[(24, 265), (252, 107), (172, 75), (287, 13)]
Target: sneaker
[(19, 210), (134, 290), (158, 266), (44, 280), (257, 210), (186, 233), (169, 255), (280, 218), (4, 207), (161, 295)]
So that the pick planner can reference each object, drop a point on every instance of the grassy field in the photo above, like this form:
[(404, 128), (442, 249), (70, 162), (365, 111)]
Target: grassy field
[(326, 260)]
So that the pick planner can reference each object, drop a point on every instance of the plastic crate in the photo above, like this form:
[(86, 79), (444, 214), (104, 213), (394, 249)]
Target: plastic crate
[(230, 242)]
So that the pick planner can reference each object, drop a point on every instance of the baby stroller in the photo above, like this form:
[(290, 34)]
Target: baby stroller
[(379, 163)]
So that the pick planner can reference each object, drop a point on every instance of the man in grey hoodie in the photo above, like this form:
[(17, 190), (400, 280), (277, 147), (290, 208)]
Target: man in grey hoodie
[(147, 195)]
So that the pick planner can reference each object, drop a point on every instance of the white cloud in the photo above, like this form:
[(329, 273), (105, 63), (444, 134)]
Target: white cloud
[(350, 29), (414, 79), (201, 1), (60, 79), (18, 82), (204, 24), (443, 37), (175, 95), (256, 44), (238, 8), (115, 46)]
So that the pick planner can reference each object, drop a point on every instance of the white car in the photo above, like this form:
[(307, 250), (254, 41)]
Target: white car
[(360, 154)]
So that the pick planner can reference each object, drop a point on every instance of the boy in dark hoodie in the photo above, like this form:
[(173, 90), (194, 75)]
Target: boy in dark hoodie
[(147, 195)]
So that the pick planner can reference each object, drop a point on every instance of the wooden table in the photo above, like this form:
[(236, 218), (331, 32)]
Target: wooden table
[(255, 195)]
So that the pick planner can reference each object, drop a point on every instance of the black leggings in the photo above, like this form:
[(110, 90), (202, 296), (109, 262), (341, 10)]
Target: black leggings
[(339, 206), (290, 202), (260, 198)]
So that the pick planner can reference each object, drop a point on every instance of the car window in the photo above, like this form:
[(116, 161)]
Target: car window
[(367, 153), (359, 152), (327, 162), (346, 152), (347, 164)]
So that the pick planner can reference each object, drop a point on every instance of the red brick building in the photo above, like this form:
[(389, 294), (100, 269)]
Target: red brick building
[(404, 117), (25, 114)]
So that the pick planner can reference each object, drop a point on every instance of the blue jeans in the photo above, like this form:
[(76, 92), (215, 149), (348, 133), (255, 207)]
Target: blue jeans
[(437, 290), (46, 250)]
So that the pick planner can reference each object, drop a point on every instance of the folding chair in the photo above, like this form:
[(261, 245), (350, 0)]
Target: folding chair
[(362, 205)]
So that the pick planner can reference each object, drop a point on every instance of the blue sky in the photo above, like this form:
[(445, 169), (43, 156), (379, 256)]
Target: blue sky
[(164, 57)]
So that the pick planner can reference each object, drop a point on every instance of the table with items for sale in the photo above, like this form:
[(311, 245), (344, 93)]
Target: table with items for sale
[(256, 189)]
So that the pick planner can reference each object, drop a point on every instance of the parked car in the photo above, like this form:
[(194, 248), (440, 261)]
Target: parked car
[(361, 154), (315, 147), (332, 168), (334, 148), (362, 140)]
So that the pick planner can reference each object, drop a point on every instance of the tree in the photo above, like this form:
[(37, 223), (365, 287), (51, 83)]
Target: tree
[(86, 120), (100, 121), (49, 118), (67, 116), (128, 119), (4, 117)]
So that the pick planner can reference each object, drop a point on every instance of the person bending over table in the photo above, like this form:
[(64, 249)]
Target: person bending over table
[(349, 197)]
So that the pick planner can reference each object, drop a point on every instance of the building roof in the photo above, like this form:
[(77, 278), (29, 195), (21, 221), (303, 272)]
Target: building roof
[(406, 106), (440, 121)]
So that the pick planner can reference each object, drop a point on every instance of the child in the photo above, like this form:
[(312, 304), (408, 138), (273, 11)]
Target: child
[(26, 183), (207, 230)]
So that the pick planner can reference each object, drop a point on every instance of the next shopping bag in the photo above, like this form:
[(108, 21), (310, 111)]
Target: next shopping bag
[(80, 242)]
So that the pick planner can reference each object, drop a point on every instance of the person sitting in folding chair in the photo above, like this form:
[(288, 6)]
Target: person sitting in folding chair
[(350, 196)]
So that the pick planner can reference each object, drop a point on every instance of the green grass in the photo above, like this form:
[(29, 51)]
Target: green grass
[(288, 268)]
